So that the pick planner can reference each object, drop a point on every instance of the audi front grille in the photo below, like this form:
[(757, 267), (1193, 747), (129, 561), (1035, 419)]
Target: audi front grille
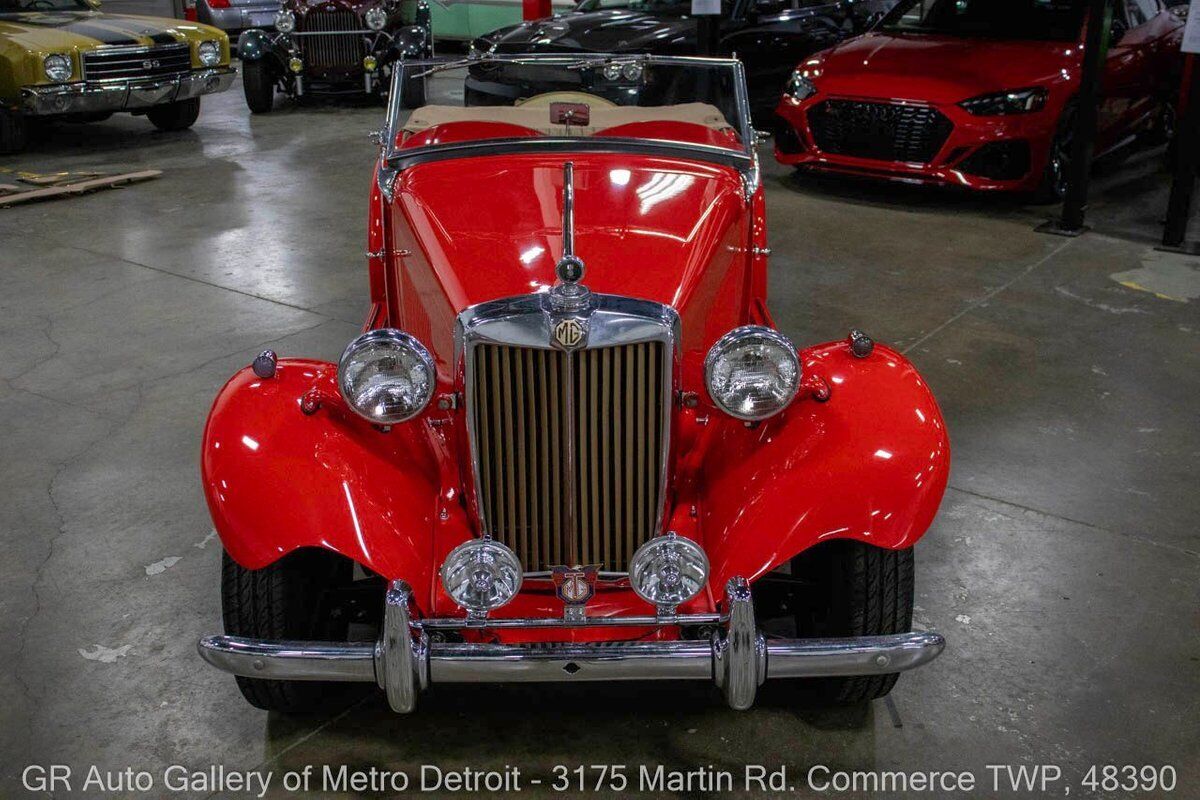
[(897, 132)]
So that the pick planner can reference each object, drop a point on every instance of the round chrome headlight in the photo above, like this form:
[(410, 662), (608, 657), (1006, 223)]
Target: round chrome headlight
[(285, 22), (210, 53), (57, 67), (376, 18), (612, 72), (668, 570), (752, 373), (387, 376), (481, 575), (632, 72)]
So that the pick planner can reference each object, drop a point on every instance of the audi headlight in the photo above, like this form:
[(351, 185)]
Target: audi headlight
[(752, 373), (481, 575), (285, 22), (376, 18), (57, 67), (210, 53), (1019, 101), (386, 376), (668, 571), (799, 87)]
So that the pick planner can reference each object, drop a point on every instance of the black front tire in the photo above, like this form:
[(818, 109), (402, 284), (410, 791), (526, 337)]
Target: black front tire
[(412, 88), (848, 588), (14, 132), (175, 116), (288, 600), (1057, 173), (258, 83)]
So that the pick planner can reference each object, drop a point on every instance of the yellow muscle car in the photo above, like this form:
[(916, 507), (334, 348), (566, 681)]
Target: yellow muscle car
[(66, 59)]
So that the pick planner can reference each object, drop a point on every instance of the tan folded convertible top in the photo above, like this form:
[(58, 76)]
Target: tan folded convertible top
[(537, 117)]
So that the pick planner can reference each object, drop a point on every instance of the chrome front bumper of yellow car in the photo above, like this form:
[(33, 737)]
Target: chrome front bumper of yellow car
[(100, 97)]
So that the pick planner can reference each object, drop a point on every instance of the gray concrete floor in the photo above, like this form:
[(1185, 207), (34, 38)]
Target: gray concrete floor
[(1063, 567)]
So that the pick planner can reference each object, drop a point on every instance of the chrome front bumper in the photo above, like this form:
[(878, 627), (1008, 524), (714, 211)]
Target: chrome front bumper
[(738, 658), (122, 95)]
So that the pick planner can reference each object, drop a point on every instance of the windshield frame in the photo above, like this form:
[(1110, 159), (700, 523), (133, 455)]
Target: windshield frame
[(745, 160), (888, 25)]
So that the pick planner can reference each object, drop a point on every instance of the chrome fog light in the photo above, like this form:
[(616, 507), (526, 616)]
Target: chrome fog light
[(386, 376), (481, 575), (752, 373), (376, 18), (285, 22), (668, 570)]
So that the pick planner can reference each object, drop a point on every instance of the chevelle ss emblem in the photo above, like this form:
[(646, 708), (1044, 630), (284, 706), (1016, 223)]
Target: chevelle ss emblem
[(574, 585), (151, 64), (569, 333)]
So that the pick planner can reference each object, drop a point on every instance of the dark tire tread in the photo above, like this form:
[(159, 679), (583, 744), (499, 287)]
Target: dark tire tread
[(270, 603), (856, 590), (14, 132), (258, 84)]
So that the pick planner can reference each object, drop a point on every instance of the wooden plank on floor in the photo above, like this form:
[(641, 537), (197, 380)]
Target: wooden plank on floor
[(77, 188)]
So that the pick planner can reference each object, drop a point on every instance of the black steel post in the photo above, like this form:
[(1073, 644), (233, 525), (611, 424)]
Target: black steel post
[(1086, 121), (1187, 141), (707, 27)]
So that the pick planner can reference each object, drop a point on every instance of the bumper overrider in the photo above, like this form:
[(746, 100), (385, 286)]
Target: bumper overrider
[(130, 95), (738, 657)]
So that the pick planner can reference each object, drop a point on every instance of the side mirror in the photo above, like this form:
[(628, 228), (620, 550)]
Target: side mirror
[(1117, 32)]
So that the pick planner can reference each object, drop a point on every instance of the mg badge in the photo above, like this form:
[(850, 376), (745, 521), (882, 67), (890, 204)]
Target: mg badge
[(570, 333), (575, 585)]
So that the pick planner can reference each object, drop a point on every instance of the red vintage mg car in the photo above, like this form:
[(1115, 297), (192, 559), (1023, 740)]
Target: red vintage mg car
[(523, 470)]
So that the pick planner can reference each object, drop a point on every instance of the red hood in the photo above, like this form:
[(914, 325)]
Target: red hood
[(939, 69), (662, 229)]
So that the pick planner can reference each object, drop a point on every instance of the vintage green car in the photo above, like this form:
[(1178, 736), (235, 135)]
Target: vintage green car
[(65, 59)]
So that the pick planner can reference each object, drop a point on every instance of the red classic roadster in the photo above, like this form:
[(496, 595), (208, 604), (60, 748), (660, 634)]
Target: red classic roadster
[(524, 470)]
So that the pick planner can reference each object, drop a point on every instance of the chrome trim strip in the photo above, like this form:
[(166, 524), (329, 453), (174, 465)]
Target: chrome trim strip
[(459, 623), (738, 658), (609, 144)]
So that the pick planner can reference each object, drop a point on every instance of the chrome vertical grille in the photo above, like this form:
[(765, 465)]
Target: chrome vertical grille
[(570, 449), (331, 48)]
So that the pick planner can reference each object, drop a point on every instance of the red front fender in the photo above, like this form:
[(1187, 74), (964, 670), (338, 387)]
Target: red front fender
[(278, 479), (871, 464)]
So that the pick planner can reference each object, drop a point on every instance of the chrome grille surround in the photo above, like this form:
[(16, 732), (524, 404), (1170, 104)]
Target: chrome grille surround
[(525, 324), (137, 63), (331, 39)]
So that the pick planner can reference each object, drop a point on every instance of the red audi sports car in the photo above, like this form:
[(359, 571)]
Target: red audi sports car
[(978, 93)]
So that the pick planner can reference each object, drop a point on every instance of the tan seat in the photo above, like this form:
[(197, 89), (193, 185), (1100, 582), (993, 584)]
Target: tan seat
[(537, 116)]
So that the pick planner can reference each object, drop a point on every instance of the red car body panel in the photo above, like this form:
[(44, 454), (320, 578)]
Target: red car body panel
[(869, 463), (940, 71)]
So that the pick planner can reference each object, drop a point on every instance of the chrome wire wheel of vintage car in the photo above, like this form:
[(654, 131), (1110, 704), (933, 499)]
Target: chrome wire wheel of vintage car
[(842, 588), (309, 595)]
